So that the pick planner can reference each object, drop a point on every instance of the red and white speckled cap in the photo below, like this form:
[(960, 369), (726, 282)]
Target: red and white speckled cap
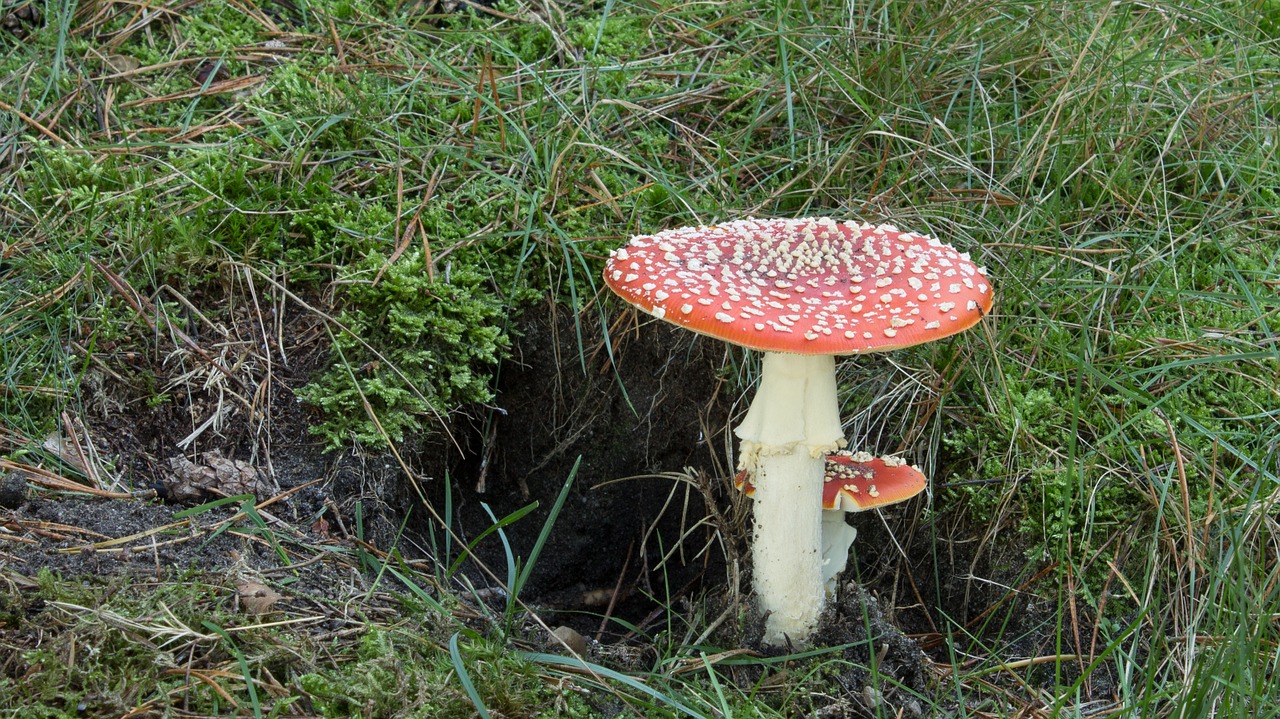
[(806, 286), (857, 482)]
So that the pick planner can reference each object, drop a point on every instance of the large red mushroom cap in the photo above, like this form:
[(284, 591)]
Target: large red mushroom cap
[(806, 286), (859, 481)]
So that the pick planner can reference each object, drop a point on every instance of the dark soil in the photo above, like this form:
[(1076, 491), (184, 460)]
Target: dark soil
[(88, 521)]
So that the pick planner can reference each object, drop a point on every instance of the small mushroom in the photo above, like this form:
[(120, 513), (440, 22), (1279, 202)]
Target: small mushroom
[(853, 482), (802, 291)]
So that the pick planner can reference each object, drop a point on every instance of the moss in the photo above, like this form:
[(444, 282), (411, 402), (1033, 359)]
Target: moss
[(615, 39), (415, 348), (397, 674), (108, 648)]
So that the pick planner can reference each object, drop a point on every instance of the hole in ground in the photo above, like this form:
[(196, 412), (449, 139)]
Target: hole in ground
[(633, 416)]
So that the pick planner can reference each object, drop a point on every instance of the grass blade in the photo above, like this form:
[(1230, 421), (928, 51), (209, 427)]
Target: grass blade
[(465, 677)]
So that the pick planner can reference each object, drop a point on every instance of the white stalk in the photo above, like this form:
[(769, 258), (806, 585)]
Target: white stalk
[(837, 537), (793, 422)]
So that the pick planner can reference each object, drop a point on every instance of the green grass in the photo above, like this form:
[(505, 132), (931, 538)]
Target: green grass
[(420, 181), (189, 644)]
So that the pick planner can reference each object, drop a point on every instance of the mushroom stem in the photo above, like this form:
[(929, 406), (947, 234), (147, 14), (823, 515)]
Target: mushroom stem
[(793, 422), (837, 538)]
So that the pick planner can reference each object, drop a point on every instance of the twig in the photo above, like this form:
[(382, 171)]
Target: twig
[(39, 127), (48, 479), (617, 589), (90, 471), (1182, 485)]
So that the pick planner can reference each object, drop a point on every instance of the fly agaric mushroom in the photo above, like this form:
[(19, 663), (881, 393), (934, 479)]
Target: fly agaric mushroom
[(853, 482), (802, 291)]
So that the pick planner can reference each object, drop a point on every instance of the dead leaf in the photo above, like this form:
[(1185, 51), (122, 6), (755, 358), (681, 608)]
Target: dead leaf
[(321, 527), (62, 448), (119, 64)]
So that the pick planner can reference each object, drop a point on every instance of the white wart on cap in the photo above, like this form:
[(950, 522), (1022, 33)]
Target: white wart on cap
[(807, 286)]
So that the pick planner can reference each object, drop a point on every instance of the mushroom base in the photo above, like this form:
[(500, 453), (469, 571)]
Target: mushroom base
[(785, 546)]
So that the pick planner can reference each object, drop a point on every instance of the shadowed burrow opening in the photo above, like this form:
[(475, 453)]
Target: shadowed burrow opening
[(638, 422)]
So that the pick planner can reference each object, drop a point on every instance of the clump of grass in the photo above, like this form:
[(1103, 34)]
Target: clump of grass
[(395, 673), (109, 649), (128, 646)]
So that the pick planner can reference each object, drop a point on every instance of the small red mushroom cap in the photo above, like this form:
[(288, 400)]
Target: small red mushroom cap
[(858, 482), (806, 286)]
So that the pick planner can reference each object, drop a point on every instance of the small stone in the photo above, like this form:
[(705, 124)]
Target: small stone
[(13, 490), (873, 697), (256, 598), (571, 639)]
